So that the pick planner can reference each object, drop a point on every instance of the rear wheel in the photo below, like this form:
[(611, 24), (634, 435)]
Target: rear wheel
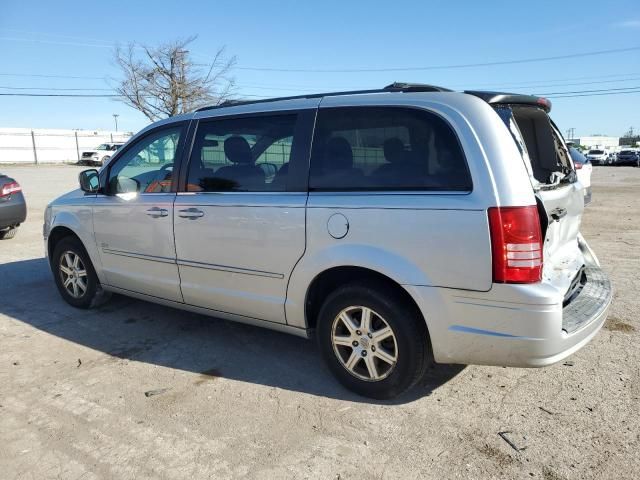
[(74, 274), (373, 341), (9, 233)]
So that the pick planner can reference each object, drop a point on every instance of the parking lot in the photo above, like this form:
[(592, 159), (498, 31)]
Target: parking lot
[(136, 390)]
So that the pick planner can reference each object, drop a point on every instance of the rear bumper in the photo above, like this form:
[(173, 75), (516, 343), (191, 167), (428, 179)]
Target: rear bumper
[(13, 211), (513, 325)]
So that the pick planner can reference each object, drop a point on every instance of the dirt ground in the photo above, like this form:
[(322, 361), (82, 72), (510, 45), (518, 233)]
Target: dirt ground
[(233, 401)]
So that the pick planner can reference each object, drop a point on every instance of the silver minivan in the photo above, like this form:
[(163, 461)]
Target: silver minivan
[(397, 227)]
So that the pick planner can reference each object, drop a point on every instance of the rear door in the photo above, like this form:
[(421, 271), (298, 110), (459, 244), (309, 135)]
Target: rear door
[(240, 217), (559, 195)]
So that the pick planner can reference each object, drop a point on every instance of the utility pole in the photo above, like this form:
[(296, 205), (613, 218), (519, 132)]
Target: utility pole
[(115, 118), (570, 133)]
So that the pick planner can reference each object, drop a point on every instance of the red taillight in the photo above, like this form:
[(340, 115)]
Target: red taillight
[(578, 165), (516, 242), (9, 188)]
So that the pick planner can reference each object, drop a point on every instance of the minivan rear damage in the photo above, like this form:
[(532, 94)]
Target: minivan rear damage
[(396, 225)]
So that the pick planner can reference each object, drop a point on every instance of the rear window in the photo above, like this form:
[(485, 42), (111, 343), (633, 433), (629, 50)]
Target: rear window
[(248, 154), (385, 148), (596, 152), (539, 142)]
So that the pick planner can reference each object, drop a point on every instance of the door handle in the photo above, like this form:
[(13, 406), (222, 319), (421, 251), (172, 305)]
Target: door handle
[(191, 213), (157, 212)]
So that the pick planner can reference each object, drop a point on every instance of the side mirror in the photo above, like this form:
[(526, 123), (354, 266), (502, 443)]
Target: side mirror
[(89, 180)]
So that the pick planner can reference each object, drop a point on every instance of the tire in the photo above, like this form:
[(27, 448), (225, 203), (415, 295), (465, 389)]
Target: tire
[(9, 233), (408, 345), (64, 254)]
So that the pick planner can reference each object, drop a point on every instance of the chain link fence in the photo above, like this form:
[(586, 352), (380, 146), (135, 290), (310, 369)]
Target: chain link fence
[(24, 146)]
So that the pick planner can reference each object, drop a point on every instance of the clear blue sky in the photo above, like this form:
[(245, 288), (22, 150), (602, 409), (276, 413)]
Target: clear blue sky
[(75, 38)]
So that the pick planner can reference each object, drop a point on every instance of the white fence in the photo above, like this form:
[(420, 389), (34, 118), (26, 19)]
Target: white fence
[(24, 145)]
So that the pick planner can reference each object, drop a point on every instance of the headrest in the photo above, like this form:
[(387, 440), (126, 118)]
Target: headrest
[(237, 150), (393, 150), (338, 154)]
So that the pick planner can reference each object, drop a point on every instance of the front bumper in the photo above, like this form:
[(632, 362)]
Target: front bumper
[(513, 325)]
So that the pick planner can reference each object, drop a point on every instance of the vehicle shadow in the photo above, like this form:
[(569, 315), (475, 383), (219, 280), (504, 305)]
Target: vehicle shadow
[(145, 332)]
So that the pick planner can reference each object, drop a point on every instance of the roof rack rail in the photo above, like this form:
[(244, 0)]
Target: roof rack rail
[(393, 87)]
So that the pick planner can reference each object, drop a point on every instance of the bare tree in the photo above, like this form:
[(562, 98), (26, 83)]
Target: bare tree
[(164, 81)]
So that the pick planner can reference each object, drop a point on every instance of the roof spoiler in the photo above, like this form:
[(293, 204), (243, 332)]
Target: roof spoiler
[(512, 98)]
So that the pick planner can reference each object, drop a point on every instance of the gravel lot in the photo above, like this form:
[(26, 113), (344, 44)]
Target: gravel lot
[(237, 401)]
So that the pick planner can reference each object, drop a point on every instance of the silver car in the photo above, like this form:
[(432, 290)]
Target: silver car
[(397, 227)]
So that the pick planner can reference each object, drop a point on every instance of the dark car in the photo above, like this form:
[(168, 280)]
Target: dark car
[(13, 209), (629, 157)]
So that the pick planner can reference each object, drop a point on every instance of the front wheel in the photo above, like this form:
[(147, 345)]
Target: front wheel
[(374, 341), (73, 272)]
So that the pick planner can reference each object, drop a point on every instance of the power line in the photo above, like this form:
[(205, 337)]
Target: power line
[(443, 67), (590, 91), (80, 95), (38, 75), (53, 89), (57, 42), (595, 94)]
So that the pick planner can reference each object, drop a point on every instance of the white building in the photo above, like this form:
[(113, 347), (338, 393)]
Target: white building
[(598, 142), (25, 145)]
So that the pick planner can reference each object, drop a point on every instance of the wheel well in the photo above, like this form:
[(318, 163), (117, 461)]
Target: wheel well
[(331, 279), (57, 234)]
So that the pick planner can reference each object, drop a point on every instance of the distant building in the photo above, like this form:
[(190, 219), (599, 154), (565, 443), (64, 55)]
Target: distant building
[(597, 141)]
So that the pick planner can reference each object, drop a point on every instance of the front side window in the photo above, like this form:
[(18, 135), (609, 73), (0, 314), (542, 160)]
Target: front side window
[(249, 154), (147, 166), (385, 148)]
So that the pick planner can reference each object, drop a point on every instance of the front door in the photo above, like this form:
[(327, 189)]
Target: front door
[(133, 220), (239, 223)]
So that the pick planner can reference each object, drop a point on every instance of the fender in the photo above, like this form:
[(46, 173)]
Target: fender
[(79, 219), (308, 268)]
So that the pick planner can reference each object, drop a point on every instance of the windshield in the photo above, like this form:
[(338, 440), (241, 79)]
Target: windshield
[(595, 152), (104, 146)]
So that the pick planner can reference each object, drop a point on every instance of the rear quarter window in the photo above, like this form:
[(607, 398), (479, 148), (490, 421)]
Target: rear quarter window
[(385, 148)]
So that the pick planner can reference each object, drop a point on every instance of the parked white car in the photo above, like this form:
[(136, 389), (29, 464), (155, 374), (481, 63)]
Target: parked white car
[(402, 226), (101, 154), (600, 157)]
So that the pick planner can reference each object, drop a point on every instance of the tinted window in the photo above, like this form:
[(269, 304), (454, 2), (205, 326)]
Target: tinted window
[(243, 154), (385, 149), (576, 156), (147, 166)]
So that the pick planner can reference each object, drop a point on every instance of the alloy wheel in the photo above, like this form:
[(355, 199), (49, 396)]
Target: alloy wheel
[(364, 343), (73, 274)]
